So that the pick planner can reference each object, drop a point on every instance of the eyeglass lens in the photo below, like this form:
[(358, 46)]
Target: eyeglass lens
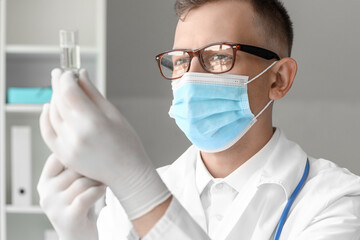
[(216, 59), (175, 63)]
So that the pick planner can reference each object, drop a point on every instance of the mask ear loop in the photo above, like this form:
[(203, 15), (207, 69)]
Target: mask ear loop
[(266, 106), (257, 76)]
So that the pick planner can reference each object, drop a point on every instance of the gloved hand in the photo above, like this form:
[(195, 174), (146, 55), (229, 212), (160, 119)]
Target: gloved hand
[(90, 136), (68, 200)]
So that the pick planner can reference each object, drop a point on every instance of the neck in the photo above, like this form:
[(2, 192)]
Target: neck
[(223, 163)]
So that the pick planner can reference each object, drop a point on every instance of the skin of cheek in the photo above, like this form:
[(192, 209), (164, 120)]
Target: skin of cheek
[(258, 90)]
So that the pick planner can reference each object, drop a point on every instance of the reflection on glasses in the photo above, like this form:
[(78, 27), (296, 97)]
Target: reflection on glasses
[(214, 58)]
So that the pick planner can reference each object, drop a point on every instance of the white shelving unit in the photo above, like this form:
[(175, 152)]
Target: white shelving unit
[(24, 210), (28, 51)]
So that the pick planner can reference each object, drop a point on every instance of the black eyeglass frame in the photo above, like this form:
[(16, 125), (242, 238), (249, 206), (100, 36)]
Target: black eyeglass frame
[(257, 51)]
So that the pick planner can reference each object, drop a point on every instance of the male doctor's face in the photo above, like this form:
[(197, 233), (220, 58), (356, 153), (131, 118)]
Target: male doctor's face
[(228, 21)]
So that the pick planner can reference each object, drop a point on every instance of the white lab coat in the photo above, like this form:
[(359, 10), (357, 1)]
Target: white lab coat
[(327, 208)]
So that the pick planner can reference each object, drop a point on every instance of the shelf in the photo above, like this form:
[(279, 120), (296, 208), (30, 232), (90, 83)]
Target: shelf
[(24, 210), (29, 50), (44, 50), (23, 108)]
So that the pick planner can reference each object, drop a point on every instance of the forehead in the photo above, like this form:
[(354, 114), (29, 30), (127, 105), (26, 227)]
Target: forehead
[(220, 21)]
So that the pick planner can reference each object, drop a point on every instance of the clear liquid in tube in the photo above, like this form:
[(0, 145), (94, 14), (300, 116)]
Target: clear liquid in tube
[(70, 58)]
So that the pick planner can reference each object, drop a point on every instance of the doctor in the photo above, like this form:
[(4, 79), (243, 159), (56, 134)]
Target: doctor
[(241, 179)]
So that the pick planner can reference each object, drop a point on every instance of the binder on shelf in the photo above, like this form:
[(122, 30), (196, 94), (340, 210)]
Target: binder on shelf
[(21, 165), (29, 95)]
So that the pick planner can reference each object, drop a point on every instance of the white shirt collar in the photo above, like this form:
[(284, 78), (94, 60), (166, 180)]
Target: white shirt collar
[(242, 174), (202, 175)]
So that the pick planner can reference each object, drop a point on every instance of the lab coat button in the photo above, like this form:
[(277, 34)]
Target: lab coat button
[(219, 217), (219, 186)]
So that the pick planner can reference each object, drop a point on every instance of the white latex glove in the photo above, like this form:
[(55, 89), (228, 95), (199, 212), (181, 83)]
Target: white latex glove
[(68, 200), (89, 135)]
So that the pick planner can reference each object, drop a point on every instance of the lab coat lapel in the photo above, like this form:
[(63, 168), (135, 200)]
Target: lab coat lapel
[(259, 218), (180, 179)]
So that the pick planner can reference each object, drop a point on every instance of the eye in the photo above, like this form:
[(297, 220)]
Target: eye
[(219, 57), (218, 62), (180, 61)]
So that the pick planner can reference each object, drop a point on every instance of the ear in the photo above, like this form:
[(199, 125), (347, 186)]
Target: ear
[(285, 72)]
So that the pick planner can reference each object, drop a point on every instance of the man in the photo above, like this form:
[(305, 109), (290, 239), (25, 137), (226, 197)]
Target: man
[(230, 62)]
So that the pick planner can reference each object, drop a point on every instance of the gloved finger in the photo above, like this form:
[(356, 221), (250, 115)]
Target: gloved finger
[(47, 132), (90, 90), (86, 200), (55, 143), (93, 93), (84, 82), (63, 147), (72, 97), (77, 187), (55, 118), (55, 83), (72, 122), (55, 77), (66, 179), (52, 168)]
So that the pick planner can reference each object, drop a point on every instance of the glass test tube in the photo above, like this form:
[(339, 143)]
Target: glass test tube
[(70, 51)]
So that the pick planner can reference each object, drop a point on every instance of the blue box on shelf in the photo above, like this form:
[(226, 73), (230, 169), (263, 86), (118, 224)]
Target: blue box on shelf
[(29, 95)]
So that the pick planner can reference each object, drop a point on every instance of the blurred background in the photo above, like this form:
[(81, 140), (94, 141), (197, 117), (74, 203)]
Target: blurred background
[(321, 112)]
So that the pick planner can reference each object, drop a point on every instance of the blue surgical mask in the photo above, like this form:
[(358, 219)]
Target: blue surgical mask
[(213, 109)]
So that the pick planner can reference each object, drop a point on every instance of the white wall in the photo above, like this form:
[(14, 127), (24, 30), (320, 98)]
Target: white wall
[(321, 113)]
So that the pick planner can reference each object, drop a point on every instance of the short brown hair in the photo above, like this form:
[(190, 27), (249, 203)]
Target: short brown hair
[(271, 13)]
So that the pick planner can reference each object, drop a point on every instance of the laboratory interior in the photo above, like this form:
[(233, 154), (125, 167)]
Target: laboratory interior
[(118, 42)]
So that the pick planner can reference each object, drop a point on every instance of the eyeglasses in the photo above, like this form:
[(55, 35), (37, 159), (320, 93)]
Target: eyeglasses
[(214, 58)]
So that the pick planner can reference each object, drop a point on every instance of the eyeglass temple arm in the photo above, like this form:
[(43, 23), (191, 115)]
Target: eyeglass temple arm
[(260, 52)]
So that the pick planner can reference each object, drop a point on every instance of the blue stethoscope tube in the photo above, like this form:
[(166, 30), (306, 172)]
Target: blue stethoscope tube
[(291, 201)]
